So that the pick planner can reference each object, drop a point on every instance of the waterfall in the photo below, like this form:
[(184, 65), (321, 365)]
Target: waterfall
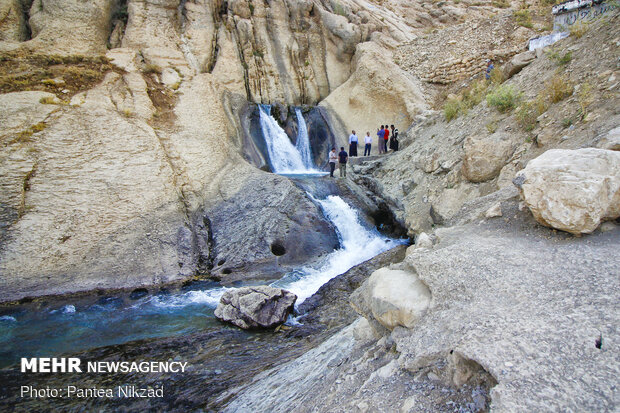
[(303, 142), (357, 244), (284, 157)]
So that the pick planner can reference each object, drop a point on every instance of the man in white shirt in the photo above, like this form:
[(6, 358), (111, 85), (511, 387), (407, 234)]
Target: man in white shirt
[(368, 142), (333, 158), (353, 144)]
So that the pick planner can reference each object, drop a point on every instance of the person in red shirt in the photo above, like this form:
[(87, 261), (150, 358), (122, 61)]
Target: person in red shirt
[(386, 137)]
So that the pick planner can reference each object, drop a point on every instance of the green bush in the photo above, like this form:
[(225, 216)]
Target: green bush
[(503, 98), (451, 109), (524, 18)]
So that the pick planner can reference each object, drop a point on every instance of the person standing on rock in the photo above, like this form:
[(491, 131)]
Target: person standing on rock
[(380, 134), (333, 157), (343, 158), (368, 144), (395, 139), (490, 68), (353, 140), (386, 137)]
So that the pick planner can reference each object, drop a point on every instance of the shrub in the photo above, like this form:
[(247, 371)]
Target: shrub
[(451, 109), (526, 115), (503, 98), (558, 58), (497, 76), (558, 88), (524, 18)]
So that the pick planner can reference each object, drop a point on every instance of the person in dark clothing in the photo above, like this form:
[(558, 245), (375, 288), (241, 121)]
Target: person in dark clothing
[(343, 157), (394, 140), (353, 141)]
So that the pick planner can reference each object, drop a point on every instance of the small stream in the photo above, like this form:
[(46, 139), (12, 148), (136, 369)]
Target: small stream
[(97, 321)]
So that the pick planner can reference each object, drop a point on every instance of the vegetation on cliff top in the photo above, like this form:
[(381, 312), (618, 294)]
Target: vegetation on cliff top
[(61, 75)]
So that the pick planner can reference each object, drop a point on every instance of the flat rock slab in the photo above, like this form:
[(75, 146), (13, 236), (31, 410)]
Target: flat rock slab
[(255, 307)]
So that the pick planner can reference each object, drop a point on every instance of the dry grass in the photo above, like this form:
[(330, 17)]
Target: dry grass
[(47, 100), (558, 88), (152, 68), (585, 98), (578, 29), (25, 136), (20, 71), (467, 99)]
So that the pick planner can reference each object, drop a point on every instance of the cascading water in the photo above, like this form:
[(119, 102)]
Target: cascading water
[(303, 141), (358, 244), (284, 157)]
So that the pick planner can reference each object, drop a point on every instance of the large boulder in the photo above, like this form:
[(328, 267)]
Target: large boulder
[(518, 62), (572, 190), (393, 298), (485, 157), (255, 307)]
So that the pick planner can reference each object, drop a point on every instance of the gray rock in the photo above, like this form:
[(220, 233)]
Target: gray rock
[(255, 307), (518, 62)]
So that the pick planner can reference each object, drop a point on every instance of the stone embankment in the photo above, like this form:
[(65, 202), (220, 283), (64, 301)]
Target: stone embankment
[(459, 52)]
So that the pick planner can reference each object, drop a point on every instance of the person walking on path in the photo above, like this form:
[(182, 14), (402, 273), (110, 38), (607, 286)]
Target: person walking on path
[(368, 142), (353, 140), (343, 157), (380, 134), (386, 137), (333, 157)]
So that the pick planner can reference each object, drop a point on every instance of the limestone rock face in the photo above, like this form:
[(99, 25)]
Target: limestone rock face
[(70, 26), (393, 298), (378, 83), (255, 307), (12, 21), (572, 190), (484, 158)]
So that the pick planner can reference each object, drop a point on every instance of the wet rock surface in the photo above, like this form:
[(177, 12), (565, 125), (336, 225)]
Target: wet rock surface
[(255, 307)]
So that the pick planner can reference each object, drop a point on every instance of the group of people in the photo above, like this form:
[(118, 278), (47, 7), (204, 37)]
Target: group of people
[(386, 138)]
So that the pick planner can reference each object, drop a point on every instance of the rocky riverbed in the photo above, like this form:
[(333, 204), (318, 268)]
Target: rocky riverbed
[(220, 357)]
